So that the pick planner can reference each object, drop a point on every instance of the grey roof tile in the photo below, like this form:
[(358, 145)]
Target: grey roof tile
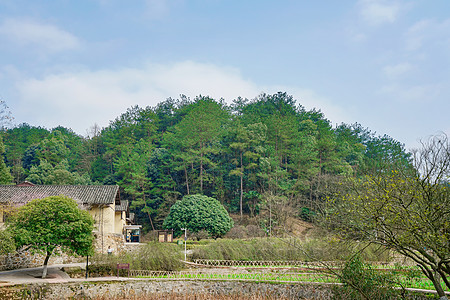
[(123, 206), (87, 194)]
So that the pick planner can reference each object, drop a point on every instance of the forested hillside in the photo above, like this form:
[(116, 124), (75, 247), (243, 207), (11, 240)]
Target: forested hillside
[(256, 156)]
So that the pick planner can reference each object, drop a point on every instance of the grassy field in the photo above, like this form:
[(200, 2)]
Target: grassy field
[(175, 296), (418, 281), (264, 259)]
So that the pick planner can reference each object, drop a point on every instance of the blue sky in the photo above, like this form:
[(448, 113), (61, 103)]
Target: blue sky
[(383, 64)]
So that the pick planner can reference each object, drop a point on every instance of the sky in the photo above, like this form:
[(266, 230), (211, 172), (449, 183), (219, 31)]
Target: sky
[(382, 64)]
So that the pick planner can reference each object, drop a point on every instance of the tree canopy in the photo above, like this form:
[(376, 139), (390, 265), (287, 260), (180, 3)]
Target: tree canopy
[(52, 222), (198, 212), (267, 157)]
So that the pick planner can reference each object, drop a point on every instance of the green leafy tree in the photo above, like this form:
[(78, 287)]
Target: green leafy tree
[(161, 174), (7, 244), (198, 212), (197, 136), (5, 174), (53, 148), (45, 173), (131, 167), (361, 281), (17, 140), (52, 222), (383, 150), (352, 141), (247, 145), (256, 156)]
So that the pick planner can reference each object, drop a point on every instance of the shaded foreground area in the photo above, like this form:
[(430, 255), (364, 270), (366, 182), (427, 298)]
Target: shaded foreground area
[(124, 288), (174, 296)]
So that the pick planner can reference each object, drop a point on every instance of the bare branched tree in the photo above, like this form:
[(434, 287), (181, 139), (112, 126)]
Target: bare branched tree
[(6, 117), (405, 209)]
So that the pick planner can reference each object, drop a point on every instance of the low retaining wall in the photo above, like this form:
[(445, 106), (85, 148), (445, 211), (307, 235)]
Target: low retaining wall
[(142, 288), (28, 259)]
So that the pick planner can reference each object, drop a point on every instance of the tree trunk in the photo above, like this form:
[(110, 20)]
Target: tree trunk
[(437, 285), (151, 222), (242, 187), (44, 271), (149, 216), (187, 181), (201, 172)]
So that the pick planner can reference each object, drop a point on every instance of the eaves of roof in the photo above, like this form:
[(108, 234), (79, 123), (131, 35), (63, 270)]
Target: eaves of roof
[(86, 194)]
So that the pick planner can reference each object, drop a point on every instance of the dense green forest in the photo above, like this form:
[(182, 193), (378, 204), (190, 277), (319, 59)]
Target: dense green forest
[(263, 156)]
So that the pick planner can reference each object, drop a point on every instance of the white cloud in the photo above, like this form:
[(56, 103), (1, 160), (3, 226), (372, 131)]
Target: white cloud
[(424, 93), (377, 12), (160, 9), (398, 70), (157, 8), (30, 33), (80, 99), (429, 33)]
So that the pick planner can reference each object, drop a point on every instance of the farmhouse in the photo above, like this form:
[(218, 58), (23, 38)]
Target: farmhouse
[(111, 214)]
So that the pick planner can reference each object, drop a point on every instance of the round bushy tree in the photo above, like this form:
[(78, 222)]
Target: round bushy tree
[(52, 222), (199, 212)]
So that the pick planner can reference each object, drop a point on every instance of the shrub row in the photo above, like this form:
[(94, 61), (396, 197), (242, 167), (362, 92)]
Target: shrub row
[(324, 249), (152, 256)]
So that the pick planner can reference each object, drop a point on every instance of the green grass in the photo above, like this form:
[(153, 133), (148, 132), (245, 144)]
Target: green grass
[(249, 276), (419, 283), (408, 277)]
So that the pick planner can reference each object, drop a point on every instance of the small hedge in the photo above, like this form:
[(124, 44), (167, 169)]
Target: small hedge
[(323, 249), (153, 256), (253, 249)]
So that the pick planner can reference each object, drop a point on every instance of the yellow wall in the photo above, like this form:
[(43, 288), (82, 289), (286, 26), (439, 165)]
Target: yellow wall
[(119, 221), (104, 218)]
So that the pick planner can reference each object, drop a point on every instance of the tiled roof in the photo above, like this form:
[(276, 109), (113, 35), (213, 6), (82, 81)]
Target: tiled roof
[(87, 194), (123, 206)]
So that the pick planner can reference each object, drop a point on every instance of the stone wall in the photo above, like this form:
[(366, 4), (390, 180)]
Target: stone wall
[(141, 288), (28, 259), (113, 240)]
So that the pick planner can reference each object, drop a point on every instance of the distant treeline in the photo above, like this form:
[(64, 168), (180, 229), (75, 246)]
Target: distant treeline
[(260, 156)]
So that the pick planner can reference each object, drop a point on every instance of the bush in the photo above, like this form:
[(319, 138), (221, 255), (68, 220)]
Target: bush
[(319, 249), (254, 249), (255, 231), (200, 235), (237, 232), (243, 232), (152, 256), (196, 213), (361, 281), (306, 214), (6, 242), (329, 248)]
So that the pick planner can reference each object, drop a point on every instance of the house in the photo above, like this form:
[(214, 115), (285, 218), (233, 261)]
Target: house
[(110, 213)]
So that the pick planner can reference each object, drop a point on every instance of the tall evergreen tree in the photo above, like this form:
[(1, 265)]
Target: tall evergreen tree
[(5, 174)]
